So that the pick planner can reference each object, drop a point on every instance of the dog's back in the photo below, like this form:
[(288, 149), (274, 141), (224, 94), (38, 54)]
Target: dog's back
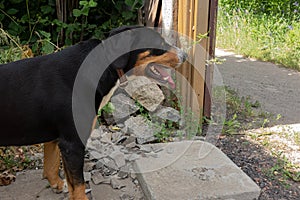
[(35, 91)]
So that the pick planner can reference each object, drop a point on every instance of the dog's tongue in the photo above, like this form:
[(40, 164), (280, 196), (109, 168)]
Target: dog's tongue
[(164, 74)]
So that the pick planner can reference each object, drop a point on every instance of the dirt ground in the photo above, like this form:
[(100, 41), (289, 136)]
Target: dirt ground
[(277, 89)]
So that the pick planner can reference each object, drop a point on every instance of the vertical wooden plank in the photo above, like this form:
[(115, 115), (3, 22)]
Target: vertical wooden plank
[(201, 17), (185, 26), (210, 69), (192, 18)]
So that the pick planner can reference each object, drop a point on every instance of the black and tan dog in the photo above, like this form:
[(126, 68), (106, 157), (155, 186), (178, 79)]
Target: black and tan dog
[(36, 99)]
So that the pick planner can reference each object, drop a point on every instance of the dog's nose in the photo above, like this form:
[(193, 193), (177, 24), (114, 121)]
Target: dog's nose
[(182, 56)]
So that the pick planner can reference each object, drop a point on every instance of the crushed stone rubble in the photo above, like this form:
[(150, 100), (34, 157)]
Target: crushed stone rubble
[(111, 150), (109, 160)]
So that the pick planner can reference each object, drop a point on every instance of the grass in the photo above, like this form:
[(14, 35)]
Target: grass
[(285, 169), (243, 114), (265, 37)]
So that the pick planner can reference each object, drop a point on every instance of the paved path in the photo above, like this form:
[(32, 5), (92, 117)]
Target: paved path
[(276, 88)]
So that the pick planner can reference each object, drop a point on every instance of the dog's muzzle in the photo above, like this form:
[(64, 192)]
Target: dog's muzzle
[(182, 56)]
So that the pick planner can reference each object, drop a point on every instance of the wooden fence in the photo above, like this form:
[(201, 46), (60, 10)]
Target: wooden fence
[(192, 18)]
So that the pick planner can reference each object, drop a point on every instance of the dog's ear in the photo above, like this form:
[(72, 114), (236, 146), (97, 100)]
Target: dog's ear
[(119, 44), (122, 29)]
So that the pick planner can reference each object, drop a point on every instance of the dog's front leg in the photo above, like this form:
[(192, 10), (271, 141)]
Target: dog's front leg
[(73, 160), (51, 166)]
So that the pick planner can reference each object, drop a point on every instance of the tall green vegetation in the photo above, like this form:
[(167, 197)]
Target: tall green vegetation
[(267, 30), (46, 25)]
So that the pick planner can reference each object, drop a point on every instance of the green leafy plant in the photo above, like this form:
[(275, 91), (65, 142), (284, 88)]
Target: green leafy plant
[(231, 126), (46, 28), (285, 168), (109, 108), (11, 49)]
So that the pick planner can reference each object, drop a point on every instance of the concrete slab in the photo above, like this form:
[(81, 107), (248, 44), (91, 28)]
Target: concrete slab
[(29, 186), (193, 170), (106, 192)]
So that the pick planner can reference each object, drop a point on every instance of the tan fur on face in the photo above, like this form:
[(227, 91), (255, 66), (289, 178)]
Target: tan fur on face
[(169, 59)]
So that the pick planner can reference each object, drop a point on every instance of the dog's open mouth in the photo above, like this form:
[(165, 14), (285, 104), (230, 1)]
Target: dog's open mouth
[(160, 73)]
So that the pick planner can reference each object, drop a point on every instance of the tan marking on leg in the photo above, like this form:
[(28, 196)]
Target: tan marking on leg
[(76, 192), (51, 165), (79, 193)]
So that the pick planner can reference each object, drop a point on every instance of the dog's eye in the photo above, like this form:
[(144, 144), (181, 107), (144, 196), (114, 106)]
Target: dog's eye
[(157, 52)]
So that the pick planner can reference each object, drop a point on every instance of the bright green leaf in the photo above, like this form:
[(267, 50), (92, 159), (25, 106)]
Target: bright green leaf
[(92, 4), (47, 48), (83, 3), (76, 12), (45, 34), (85, 11)]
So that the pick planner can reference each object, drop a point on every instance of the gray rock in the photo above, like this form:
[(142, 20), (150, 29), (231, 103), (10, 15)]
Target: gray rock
[(89, 144), (146, 92), (120, 125), (124, 106), (116, 183), (125, 196), (87, 176), (111, 165), (121, 140), (117, 148), (132, 157), (123, 173), (166, 113), (133, 176), (107, 149), (96, 134), (129, 140), (106, 137), (145, 148), (99, 164), (141, 129), (116, 137), (131, 145), (95, 155), (97, 178), (88, 166), (118, 158), (96, 145)]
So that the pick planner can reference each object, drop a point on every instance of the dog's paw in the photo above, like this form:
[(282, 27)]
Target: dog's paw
[(58, 187)]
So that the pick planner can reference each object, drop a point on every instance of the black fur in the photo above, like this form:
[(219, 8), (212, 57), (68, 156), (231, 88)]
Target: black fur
[(36, 99)]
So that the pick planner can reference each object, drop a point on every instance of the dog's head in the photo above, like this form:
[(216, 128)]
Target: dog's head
[(149, 54)]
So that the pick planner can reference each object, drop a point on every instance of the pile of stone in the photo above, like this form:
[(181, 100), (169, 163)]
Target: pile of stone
[(111, 150)]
